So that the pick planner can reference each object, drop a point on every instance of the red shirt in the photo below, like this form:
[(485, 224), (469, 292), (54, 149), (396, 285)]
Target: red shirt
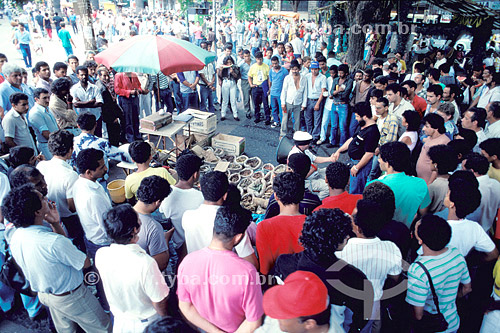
[(125, 85), (420, 105), (345, 201), (278, 235)]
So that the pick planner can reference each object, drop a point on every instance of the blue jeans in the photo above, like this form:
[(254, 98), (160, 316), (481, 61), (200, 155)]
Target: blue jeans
[(206, 97), (176, 91), (26, 51), (165, 100), (357, 184), (313, 118), (189, 100), (276, 107), (375, 171), (339, 121), (353, 124)]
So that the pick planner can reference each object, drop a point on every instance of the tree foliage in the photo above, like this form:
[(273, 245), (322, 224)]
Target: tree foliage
[(245, 9)]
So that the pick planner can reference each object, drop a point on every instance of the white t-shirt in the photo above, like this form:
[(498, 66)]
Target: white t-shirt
[(198, 228), (174, 206), (296, 150), (131, 280), (490, 200), (466, 234), (413, 135)]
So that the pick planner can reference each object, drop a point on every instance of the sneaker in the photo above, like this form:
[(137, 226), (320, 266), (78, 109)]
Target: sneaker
[(236, 118), (320, 142), (257, 120), (267, 122), (275, 124), (249, 116), (222, 118)]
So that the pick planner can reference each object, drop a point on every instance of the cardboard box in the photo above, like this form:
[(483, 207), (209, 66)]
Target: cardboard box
[(202, 122), (230, 143)]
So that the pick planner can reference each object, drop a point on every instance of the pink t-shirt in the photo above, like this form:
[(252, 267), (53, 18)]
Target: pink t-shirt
[(223, 287)]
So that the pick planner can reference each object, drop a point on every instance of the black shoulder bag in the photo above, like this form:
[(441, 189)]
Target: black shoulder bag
[(12, 276), (431, 323)]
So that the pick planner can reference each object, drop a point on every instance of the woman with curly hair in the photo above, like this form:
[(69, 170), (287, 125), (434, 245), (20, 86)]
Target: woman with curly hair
[(323, 233)]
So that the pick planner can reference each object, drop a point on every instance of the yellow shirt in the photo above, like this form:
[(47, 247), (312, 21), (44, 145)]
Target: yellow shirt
[(494, 173), (133, 180), (496, 276), (258, 73)]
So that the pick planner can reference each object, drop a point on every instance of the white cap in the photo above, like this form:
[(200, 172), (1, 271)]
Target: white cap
[(302, 138)]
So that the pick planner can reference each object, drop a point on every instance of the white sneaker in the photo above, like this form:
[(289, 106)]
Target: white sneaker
[(319, 142)]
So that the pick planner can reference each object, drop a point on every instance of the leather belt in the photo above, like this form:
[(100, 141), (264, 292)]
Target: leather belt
[(68, 292)]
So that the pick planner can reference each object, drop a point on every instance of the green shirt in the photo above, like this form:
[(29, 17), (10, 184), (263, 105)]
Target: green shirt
[(411, 193), (65, 37)]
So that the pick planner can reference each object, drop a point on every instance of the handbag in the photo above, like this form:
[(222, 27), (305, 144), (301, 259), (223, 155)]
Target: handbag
[(12, 276), (431, 322)]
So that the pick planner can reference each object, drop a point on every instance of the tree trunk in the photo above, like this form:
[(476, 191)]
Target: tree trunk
[(403, 34), (139, 6), (356, 42), (57, 6), (295, 5)]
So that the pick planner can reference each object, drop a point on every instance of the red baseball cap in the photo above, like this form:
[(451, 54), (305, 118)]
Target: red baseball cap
[(303, 294)]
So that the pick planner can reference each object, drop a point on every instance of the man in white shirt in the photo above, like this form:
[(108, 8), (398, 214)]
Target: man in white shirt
[(134, 286), (475, 119), (489, 188), (87, 97), (182, 198), (493, 117), (293, 99), (463, 198), (397, 104), (60, 178), (492, 92), (316, 87), (298, 46), (198, 224), (42, 121), (440, 59), (376, 258), (91, 201)]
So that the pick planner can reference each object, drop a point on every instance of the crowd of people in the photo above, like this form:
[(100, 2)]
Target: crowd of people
[(402, 237)]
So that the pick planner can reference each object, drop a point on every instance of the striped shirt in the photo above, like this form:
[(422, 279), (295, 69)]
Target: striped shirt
[(164, 80), (447, 270), (375, 258)]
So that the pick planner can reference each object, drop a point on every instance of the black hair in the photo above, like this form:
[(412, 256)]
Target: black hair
[(321, 318), (38, 91), (214, 185), (120, 222), (344, 68), (258, 55), (376, 93), (90, 64), (60, 142), (420, 67), (384, 196), (321, 58), (491, 147), (464, 192), (337, 174), (397, 155), (15, 98), (413, 120), (378, 61), (168, 324), (140, 151), (460, 147), (300, 164), (60, 84), (228, 58), (86, 121), (436, 89), (81, 69), (363, 109), (323, 231), (436, 122), (3, 56), (495, 108), (73, 57), (246, 51), (383, 100), (231, 221), (152, 189), (369, 223), (187, 165), (39, 65), (479, 115), (294, 63), (233, 197), (394, 87), (381, 79), (20, 205), (368, 72), (289, 188), (409, 83), (275, 58), (434, 232), (393, 66), (88, 159), (477, 163), (469, 136), (445, 68), (434, 73), (59, 65), (445, 157), (22, 175), (19, 155)]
